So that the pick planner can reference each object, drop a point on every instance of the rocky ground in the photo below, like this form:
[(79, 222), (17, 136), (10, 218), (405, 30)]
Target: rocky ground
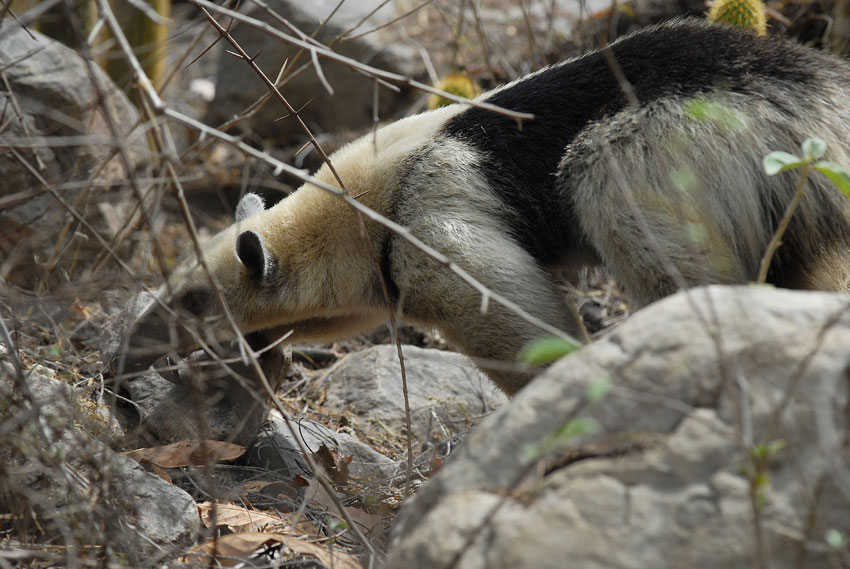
[(148, 471)]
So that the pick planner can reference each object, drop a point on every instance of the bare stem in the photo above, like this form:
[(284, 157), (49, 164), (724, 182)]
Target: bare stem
[(776, 241)]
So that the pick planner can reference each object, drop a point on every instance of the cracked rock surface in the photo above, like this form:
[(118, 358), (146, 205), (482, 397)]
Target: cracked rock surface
[(718, 445)]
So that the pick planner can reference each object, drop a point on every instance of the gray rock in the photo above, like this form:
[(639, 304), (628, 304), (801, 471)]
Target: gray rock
[(205, 401), (58, 128), (154, 516), (447, 392), (200, 398), (82, 489), (669, 483), (276, 449), (351, 105), (58, 402)]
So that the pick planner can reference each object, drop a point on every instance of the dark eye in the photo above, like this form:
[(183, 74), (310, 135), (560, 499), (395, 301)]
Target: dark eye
[(196, 301)]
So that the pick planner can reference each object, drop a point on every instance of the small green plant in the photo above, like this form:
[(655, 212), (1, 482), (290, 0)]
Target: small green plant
[(778, 161), (572, 428), (746, 14), (813, 148), (764, 452), (546, 350), (761, 456), (569, 430), (335, 528), (457, 83), (597, 390), (835, 539)]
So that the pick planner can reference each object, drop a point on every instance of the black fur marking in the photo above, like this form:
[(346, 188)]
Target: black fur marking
[(673, 61), (387, 273), (196, 301), (252, 254), (385, 263)]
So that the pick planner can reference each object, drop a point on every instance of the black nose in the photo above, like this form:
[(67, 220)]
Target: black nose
[(146, 341)]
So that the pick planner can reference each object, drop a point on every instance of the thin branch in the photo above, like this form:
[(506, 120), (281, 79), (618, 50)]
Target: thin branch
[(776, 240), (360, 67), (346, 37)]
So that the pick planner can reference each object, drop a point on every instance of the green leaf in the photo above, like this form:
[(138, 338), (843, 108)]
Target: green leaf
[(779, 161), (836, 173), (725, 116), (576, 427), (336, 526), (597, 390), (760, 481), (813, 148), (768, 450), (546, 350), (567, 431), (774, 447), (696, 232), (684, 179), (835, 538)]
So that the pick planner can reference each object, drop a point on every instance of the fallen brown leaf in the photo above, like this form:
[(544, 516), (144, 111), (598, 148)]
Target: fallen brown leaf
[(232, 549), (368, 522), (436, 465), (335, 464), (188, 452), (154, 469), (237, 518), (329, 557)]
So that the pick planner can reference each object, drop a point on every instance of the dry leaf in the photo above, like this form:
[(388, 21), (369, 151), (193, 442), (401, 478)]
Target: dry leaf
[(329, 557), (229, 549), (154, 469), (325, 457), (79, 311), (316, 495), (368, 522), (335, 465), (255, 485), (237, 518), (233, 548), (188, 452)]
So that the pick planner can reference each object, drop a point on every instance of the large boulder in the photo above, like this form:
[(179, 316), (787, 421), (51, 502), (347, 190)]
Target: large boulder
[(58, 145), (721, 443), (351, 105)]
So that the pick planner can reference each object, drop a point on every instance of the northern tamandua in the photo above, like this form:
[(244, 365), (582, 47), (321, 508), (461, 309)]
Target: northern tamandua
[(617, 168)]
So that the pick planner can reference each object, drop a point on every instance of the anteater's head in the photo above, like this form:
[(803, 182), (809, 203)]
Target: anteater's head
[(238, 272), (303, 265)]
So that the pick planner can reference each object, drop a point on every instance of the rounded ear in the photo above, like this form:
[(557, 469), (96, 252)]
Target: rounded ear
[(248, 206), (251, 253)]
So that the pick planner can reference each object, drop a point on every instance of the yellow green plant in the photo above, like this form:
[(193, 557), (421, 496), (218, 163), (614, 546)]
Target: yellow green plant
[(747, 14), (457, 84), (147, 33)]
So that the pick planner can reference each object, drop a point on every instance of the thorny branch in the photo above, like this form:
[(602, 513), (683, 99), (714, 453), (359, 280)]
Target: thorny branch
[(357, 66)]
